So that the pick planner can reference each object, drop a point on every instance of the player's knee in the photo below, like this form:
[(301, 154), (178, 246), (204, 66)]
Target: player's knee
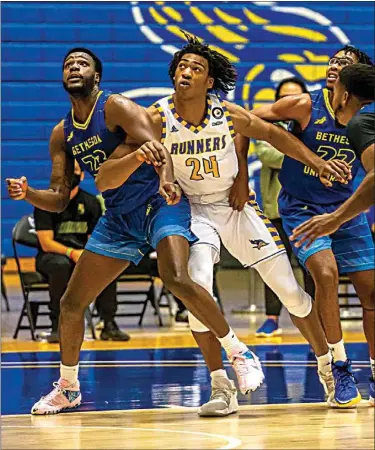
[(202, 278), (327, 277), (176, 281), (71, 304), (196, 325), (300, 305), (368, 300)]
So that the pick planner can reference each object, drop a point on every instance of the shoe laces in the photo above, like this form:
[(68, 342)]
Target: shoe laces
[(58, 389), (218, 393), (241, 365), (344, 374)]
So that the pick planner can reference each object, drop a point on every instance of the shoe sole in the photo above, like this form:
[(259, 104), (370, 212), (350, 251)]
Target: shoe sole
[(49, 413), (352, 404), (254, 388), (278, 332), (223, 413)]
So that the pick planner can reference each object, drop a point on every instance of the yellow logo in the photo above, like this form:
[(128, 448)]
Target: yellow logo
[(81, 209), (320, 121), (305, 207), (148, 210), (70, 137)]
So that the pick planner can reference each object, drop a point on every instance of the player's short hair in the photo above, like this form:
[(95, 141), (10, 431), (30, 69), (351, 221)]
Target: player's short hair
[(359, 81), (220, 68), (294, 80), (97, 62), (363, 57)]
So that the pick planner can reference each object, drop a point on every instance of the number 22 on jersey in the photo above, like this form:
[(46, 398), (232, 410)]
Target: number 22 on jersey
[(209, 166)]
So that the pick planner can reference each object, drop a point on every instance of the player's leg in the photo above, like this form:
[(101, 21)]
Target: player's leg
[(103, 261), (353, 247), (364, 285), (170, 235), (223, 399), (252, 239)]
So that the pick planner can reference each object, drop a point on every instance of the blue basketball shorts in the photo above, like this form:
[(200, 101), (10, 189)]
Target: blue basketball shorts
[(131, 236), (352, 243)]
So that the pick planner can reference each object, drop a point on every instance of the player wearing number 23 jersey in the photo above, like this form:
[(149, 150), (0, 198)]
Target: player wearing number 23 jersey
[(303, 196)]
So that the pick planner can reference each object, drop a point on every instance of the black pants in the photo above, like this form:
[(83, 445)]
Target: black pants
[(273, 304), (58, 270)]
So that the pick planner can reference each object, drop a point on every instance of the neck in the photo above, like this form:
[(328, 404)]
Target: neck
[(82, 106), (192, 110), (350, 111)]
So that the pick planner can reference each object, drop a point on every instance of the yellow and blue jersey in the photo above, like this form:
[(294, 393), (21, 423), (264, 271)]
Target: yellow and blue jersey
[(92, 143), (325, 137)]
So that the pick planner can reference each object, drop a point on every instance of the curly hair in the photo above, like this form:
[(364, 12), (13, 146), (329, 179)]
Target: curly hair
[(219, 67), (363, 58), (359, 81)]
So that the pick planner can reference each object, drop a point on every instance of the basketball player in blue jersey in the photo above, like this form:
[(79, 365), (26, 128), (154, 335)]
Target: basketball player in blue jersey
[(349, 250), (137, 219), (354, 88), (198, 130)]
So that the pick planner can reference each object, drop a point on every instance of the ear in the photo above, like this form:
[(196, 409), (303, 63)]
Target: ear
[(97, 78), (345, 98), (211, 82)]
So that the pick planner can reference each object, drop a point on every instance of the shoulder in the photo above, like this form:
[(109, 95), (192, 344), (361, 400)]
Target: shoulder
[(155, 112), (116, 101), (361, 123)]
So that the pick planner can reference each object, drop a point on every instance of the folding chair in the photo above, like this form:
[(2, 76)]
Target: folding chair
[(24, 234)]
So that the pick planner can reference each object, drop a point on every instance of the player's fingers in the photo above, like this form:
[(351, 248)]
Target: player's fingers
[(325, 181), (150, 156), (241, 205)]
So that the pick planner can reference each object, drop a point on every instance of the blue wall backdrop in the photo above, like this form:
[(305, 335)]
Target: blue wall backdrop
[(268, 41)]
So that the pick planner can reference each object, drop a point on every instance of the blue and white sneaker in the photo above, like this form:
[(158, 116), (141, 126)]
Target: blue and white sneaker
[(346, 392), (268, 329), (372, 392)]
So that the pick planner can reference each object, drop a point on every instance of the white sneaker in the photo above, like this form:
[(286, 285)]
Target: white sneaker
[(248, 370), (223, 400), (63, 396), (328, 383)]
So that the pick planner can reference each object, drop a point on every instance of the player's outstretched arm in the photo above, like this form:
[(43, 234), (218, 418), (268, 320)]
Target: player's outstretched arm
[(292, 107), (251, 126), (360, 201), (56, 198)]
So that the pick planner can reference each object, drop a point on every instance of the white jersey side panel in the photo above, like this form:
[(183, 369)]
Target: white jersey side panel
[(204, 157)]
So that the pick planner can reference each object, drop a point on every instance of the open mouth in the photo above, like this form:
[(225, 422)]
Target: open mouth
[(184, 84), (332, 76)]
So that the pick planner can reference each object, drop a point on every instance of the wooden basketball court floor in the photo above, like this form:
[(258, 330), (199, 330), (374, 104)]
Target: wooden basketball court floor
[(144, 394), (147, 398)]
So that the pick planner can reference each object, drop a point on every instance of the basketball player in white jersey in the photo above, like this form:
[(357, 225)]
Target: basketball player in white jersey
[(198, 130)]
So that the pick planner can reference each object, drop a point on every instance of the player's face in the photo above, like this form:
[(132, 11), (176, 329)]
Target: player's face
[(290, 89), (192, 76), (79, 76), (336, 64)]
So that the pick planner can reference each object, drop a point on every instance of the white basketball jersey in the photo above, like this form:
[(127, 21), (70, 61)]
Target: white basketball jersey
[(204, 157)]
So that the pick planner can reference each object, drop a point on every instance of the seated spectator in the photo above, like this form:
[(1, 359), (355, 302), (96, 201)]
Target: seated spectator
[(62, 237), (270, 187)]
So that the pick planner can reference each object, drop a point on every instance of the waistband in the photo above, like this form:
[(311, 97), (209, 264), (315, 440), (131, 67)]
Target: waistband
[(205, 199)]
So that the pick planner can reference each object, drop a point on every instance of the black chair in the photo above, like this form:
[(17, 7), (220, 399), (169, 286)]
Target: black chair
[(146, 273), (24, 234), (3, 288)]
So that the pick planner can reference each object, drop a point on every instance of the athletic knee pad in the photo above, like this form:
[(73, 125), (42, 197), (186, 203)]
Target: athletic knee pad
[(196, 325), (201, 266)]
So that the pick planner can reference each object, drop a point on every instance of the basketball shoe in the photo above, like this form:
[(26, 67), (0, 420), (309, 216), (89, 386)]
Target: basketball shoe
[(248, 370), (346, 392), (63, 396), (223, 400), (328, 382), (372, 392)]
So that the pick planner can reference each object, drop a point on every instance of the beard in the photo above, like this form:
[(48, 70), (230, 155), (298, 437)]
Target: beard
[(83, 90)]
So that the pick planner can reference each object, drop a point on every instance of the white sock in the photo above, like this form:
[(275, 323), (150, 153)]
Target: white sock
[(69, 373), (338, 351), (231, 344), (219, 373), (324, 362), (372, 362)]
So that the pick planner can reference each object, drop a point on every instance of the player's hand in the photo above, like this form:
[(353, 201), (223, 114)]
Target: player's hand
[(152, 152), (75, 255), (314, 228), (17, 187), (334, 170), (239, 194), (171, 192)]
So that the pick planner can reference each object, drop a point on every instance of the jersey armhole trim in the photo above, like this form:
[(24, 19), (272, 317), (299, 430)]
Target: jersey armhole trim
[(229, 119), (163, 120)]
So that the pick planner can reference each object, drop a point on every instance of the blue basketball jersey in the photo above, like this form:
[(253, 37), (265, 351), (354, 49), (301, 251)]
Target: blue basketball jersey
[(328, 140), (92, 143)]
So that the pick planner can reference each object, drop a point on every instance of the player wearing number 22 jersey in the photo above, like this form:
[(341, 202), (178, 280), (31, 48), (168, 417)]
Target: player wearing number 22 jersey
[(303, 196)]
